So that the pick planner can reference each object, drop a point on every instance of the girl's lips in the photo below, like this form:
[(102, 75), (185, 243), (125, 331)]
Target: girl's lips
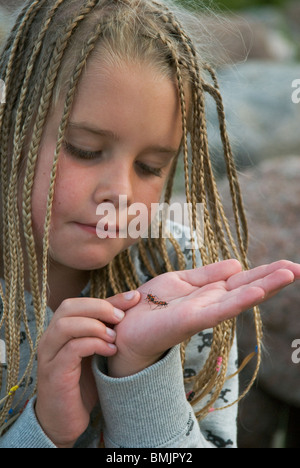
[(91, 228), (87, 227)]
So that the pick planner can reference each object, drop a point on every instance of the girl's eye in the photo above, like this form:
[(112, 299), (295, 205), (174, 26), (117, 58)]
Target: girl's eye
[(80, 153), (148, 170)]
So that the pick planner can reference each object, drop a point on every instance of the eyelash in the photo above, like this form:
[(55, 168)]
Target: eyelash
[(90, 155), (80, 153), (147, 170)]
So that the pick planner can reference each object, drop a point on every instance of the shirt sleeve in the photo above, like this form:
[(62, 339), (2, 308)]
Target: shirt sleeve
[(26, 432), (150, 409)]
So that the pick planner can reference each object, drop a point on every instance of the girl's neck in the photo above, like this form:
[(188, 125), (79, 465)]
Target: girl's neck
[(65, 283)]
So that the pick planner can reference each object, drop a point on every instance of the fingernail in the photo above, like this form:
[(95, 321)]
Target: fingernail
[(129, 295), (118, 313), (111, 345), (110, 332)]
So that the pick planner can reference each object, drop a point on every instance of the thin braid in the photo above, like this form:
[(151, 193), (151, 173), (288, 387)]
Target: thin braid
[(12, 35), (131, 268), (99, 283), (32, 157), (197, 146), (143, 253), (67, 109), (13, 215), (232, 175), (217, 381), (207, 368), (227, 328), (169, 17), (11, 244), (6, 123), (169, 187), (21, 307), (34, 275), (114, 278), (200, 131), (178, 251)]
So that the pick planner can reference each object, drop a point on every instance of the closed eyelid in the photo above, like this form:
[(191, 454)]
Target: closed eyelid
[(81, 153), (155, 149)]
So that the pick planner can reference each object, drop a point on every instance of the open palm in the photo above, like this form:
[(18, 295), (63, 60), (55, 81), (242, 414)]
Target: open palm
[(177, 305)]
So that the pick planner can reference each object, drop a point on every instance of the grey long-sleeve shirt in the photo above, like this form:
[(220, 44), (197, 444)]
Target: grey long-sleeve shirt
[(148, 409)]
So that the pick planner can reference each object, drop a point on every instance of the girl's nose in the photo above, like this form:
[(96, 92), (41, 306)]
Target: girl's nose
[(115, 186)]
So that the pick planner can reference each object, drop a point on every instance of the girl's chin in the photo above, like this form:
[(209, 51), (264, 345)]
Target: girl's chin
[(89, 260)]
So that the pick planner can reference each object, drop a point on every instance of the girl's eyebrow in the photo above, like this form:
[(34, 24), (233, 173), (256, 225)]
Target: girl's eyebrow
[(92, 129), (170, 151)]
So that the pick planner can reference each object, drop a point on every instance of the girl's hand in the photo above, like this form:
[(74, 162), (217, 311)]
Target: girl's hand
[(66, 389), (197, 300)]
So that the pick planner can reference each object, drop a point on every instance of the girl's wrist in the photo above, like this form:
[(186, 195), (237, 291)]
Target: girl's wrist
[(119, 366)]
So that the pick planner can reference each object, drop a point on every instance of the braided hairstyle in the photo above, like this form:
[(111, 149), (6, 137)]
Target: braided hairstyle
[(43, 61)]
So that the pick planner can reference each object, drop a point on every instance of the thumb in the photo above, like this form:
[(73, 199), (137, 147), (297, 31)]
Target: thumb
[(125, 301)]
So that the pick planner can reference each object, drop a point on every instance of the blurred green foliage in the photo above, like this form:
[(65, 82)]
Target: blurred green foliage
[(230, 4)]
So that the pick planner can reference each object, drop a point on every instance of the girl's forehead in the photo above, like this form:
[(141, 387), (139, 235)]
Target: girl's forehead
[(119, 81), (126, 100), (104, 64)]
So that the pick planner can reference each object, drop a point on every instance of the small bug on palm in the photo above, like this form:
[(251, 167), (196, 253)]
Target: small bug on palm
[(151, 299)]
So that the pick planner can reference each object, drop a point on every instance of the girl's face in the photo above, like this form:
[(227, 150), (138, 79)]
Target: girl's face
[(124, 131)]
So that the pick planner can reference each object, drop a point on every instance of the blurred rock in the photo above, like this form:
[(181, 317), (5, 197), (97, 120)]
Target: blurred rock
[(5, 23), (293, 18), (257, 34), (262, 120), (271, 194), (12, 5), (259, 415), (278, 38)]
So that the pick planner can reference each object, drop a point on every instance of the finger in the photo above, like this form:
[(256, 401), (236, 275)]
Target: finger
[(85, 347), (273, 282), (246, 277), (213, 273), (99, 309), (66, 329), (125, 301), (229, 306), (71, 355), (234, 305)]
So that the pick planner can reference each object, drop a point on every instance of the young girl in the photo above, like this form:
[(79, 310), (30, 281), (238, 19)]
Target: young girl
[(102, 99)]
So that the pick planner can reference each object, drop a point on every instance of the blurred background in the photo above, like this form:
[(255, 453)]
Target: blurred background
[(256, 51)]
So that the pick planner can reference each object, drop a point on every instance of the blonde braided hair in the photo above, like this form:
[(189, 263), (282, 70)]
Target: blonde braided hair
[(44, 58)]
